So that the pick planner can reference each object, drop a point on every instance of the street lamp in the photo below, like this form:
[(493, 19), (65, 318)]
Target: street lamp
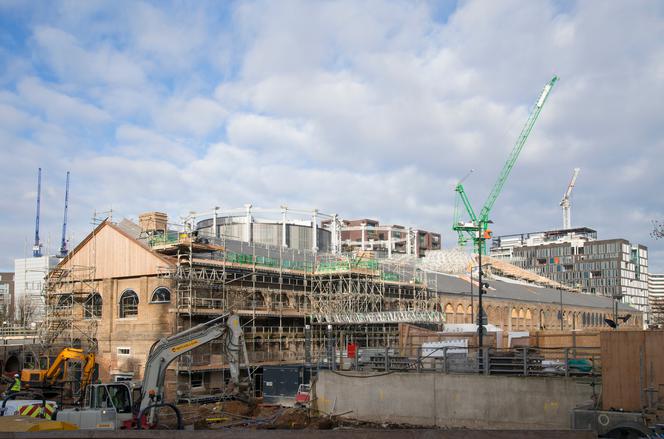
[(613, 323), (560, 313), (472, 308), (480, 311), (331, 354)]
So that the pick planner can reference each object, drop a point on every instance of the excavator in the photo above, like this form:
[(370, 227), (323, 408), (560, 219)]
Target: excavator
[(58, 372), (115, 406)]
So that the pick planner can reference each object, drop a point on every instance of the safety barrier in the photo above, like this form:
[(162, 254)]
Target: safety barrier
[(520, 361)]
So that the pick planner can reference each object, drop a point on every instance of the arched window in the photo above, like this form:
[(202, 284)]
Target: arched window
[(66, 301), (460, 314), (92, 307), (449, 313), (161, 295), (529, 318), (128, 304), (258, 344), (514, 319), (281, 300)]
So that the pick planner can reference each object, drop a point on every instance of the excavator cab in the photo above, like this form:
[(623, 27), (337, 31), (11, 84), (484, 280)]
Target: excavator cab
[(34, 376), (105, 407)]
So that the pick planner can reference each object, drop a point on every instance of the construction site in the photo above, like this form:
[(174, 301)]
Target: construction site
[(275, 318)]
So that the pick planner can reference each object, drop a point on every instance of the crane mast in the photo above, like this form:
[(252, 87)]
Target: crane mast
[(63, 244), (36, 249), (565, 202), (478, 223)]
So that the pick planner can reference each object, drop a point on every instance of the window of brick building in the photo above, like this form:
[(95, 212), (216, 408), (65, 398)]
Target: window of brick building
[(161, 295), (128, 304), (92, 307)]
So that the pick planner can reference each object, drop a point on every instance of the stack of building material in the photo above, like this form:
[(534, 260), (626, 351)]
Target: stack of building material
[(506, 269)]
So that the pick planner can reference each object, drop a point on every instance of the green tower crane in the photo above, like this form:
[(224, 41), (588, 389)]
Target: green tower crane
[(476, 228)]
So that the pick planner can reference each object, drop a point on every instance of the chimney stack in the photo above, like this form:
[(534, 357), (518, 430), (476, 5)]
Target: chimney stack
[(153, 222)]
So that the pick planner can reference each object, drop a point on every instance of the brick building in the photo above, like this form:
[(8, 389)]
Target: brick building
[(124, 287)]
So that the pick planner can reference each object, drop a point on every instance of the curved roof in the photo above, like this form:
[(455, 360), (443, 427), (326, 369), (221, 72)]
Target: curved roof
[(500, 289)]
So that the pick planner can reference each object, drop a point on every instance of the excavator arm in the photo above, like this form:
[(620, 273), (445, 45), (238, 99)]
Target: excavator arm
[(58, 367), (88, 370), (164, 351)]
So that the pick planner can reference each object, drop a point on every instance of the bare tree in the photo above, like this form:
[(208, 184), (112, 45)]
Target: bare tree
[(657, 229), (25, 310)]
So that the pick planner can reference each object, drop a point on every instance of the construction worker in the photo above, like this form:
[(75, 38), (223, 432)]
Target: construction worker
[(16, 387)]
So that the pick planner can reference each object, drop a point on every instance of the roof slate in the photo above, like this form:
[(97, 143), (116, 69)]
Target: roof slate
[(498, 289)]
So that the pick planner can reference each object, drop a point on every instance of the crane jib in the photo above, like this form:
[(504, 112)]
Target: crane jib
[(479, 223)]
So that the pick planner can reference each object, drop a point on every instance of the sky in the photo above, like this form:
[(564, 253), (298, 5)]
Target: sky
[(365, 109)]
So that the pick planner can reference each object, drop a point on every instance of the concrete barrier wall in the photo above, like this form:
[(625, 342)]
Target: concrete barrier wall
[(435, 399)]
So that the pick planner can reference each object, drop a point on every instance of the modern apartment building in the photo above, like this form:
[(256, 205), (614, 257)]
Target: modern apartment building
[(29, 275), (656, 296), (574, 257), (6, 296)]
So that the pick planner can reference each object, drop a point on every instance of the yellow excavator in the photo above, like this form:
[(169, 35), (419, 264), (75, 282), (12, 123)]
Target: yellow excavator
[(58, 372)]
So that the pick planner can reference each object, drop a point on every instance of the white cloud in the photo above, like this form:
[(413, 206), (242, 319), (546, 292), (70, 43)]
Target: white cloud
[(365, 109), (135, 141), (59, 106), (72, 62), (197, 116)]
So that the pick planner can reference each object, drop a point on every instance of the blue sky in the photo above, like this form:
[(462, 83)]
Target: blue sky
[(366, 109)]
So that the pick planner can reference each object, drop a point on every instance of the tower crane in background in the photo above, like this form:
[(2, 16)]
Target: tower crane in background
[(478, 223), (565, 204), (36, 249), (63, 244)]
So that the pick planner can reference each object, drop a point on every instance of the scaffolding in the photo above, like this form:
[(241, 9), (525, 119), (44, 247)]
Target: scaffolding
[(356, 288), (218, 274), (278, 292), (72, 312), (212, 275), (72, 302)]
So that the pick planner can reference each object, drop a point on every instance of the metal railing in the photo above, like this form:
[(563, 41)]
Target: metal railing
[(201, 302), (521, 361), (247, 304), (12, 331)]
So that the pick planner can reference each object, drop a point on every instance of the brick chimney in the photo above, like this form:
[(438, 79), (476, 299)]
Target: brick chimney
[(152, 222)]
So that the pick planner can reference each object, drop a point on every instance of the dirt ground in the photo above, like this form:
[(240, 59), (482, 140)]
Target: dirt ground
[(240, 415)]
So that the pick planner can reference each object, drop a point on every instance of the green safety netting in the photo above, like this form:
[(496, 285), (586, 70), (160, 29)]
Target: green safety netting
[(390, 276), (371, 264), (241, 258), (167, 238)]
